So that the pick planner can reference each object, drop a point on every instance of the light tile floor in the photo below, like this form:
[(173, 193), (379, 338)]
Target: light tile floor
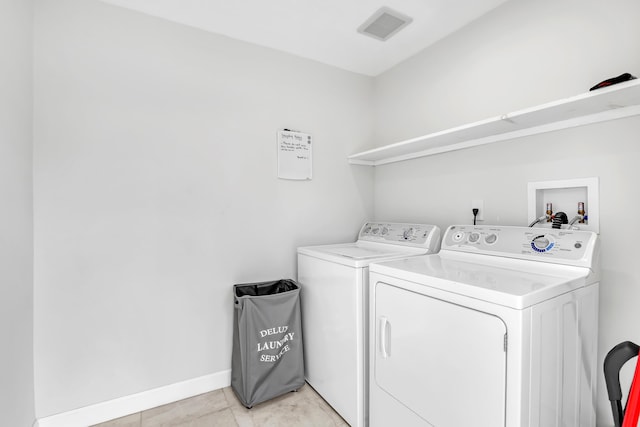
[(221, 408)]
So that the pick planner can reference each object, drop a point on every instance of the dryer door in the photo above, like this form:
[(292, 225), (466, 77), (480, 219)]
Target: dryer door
[(444, 362)]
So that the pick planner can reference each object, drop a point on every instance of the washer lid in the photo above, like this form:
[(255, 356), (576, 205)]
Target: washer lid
[(360, 254), (512, 283)]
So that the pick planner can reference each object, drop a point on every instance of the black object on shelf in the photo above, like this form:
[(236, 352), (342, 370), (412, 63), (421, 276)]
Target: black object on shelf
[(613, 80)]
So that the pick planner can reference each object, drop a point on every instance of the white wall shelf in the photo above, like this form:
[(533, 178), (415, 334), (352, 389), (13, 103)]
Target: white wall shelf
[(614, 102)]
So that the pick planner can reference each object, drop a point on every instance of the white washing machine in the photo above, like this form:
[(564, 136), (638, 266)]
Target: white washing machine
[(498, 329), (334, 304)]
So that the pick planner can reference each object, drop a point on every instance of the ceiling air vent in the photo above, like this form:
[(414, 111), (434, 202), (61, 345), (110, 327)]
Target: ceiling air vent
[(384, 23)]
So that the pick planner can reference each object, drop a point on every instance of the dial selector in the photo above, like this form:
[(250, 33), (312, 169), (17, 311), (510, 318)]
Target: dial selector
[(408, 233), (542, 243), (474, 237), (491, 238)]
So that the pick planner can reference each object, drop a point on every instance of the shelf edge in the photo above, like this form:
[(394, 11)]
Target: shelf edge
[(603, 116), (613, 112), (361, 162)]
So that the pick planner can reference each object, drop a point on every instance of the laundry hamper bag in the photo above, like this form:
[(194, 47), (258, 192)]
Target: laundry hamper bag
[(267, 358)]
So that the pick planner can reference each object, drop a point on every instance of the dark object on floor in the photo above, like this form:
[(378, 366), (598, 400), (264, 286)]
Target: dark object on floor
[(613, 80), (613, 362)]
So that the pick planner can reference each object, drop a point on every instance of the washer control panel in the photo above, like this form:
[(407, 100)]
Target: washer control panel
[(400, 233), (561, 246)]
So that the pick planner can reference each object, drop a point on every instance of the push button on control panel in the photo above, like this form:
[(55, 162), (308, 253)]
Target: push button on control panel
[(457, 237)]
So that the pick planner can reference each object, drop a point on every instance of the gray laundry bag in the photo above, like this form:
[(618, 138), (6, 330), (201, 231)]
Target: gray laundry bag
[(267, 358)]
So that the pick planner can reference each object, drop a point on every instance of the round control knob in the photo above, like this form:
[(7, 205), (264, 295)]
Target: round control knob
[(367, 229), (490, 239), (375, 230), (474, 237), (541, 242), (408, 233), (385, 230), (458, 236)]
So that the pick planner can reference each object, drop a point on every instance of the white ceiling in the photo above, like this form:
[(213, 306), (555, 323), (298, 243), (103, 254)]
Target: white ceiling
[(322, 30)]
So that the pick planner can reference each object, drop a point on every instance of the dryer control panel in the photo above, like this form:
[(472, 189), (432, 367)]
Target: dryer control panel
[(571, 247), (400, 233)]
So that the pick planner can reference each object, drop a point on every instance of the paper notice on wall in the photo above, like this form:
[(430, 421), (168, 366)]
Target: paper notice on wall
[(294, 155)]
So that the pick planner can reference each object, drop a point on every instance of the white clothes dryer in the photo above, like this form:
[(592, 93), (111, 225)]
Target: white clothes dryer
[(334, 306), (497, 329)]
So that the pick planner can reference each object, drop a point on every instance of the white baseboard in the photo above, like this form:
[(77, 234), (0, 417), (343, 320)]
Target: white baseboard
[(116, 408)]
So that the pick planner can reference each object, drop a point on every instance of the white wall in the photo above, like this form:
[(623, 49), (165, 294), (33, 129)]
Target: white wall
[(520, 55), (156, 191), (155, 154), (16, 214)]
